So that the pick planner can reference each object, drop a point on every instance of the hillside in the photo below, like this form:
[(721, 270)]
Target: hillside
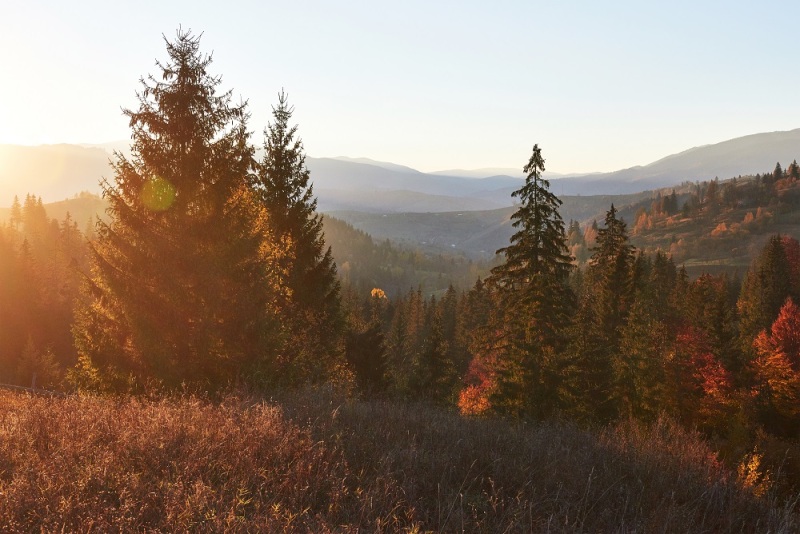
[(363, 262), (477, 234), (721, 225), (54, 171), (747, 155), (319, 462)]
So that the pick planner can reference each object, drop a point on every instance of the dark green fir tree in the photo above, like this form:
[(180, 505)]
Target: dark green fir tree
[(179, 294), (537, 298), (312, 312)]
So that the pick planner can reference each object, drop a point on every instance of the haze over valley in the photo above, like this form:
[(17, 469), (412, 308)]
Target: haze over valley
[(56, 172)]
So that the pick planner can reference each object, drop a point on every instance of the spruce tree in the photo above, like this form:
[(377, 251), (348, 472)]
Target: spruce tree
[(312, 312), (179, 293), (765, 288), (16, 213), (534, 285), (777, 173), (611, 274), (590, 380)]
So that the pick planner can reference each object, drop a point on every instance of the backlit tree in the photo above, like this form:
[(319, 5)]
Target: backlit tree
[(533, 282), (179, 292)]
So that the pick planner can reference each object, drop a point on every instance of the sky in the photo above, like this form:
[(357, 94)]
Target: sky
[(434, 85)]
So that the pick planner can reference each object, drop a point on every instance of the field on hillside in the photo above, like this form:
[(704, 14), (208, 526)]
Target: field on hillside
[(318, 462)]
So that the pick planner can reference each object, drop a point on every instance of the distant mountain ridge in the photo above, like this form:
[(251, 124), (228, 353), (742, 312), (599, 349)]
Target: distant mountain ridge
[(56, 172), (750, 154)]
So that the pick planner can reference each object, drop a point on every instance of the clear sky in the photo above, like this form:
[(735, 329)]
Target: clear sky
[(430, 84)]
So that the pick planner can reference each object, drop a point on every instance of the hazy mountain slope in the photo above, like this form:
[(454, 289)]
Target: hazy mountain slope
[(476, 233), (338, 174), (59, 171), (485, 172), (751, 154), (374, 201), (383, 164), (53, 172)]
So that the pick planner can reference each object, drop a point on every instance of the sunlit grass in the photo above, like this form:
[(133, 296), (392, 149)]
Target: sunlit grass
[(317, 462)]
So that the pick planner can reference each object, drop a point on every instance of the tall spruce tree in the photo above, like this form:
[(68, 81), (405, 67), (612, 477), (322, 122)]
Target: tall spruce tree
[(179, 293), (312, 311), (766, 286), (611, 274), (537, 297), (597, 333)]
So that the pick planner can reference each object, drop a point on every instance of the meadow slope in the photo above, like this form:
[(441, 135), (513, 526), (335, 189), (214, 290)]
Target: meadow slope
[(318, 462)]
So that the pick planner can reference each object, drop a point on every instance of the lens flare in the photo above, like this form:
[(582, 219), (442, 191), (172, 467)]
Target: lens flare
[(158, 194)]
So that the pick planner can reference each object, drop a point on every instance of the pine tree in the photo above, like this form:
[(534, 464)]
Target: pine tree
[(180, 289), (536, 295), (313, 311)]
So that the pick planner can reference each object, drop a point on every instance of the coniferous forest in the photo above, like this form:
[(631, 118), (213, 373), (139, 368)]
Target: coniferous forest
[(210, 368)]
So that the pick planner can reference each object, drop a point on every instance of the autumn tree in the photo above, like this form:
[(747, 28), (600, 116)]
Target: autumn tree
[(312, 311), (486, 340), (533, 282), (180, 290), (776, 370)]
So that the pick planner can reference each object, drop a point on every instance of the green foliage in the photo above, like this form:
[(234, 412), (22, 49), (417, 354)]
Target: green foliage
[(366, 354), (179, 290), (764, 290), (536, 298), (311, 313), (639, 365), (591, 389)]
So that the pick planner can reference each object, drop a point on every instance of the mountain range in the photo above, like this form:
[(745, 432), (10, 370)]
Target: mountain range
[(56, 172)]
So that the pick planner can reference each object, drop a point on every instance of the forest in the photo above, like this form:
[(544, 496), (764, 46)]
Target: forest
[(212, 284)]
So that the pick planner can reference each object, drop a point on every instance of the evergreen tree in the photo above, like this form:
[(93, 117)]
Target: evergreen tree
[(591, 387), (179, 292), (365, 352), (313, 311), (765, 288), (611, 274), (534, 283), (777, 173), (16, 213), (793, 171), (434, 375), (639, 365)]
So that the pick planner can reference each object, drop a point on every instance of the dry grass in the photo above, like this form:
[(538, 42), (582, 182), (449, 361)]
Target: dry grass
[(316, 462)]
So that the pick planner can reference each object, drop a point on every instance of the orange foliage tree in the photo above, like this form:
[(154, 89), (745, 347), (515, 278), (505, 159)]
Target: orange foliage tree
[(776, 371)]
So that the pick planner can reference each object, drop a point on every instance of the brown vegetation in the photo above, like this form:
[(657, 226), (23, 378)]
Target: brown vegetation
[(317, 462)]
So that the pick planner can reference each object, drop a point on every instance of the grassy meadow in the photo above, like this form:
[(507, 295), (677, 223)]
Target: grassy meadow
[(319, 462)]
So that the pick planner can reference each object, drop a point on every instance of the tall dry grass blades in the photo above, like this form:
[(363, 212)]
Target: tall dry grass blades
[(315, 462)]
